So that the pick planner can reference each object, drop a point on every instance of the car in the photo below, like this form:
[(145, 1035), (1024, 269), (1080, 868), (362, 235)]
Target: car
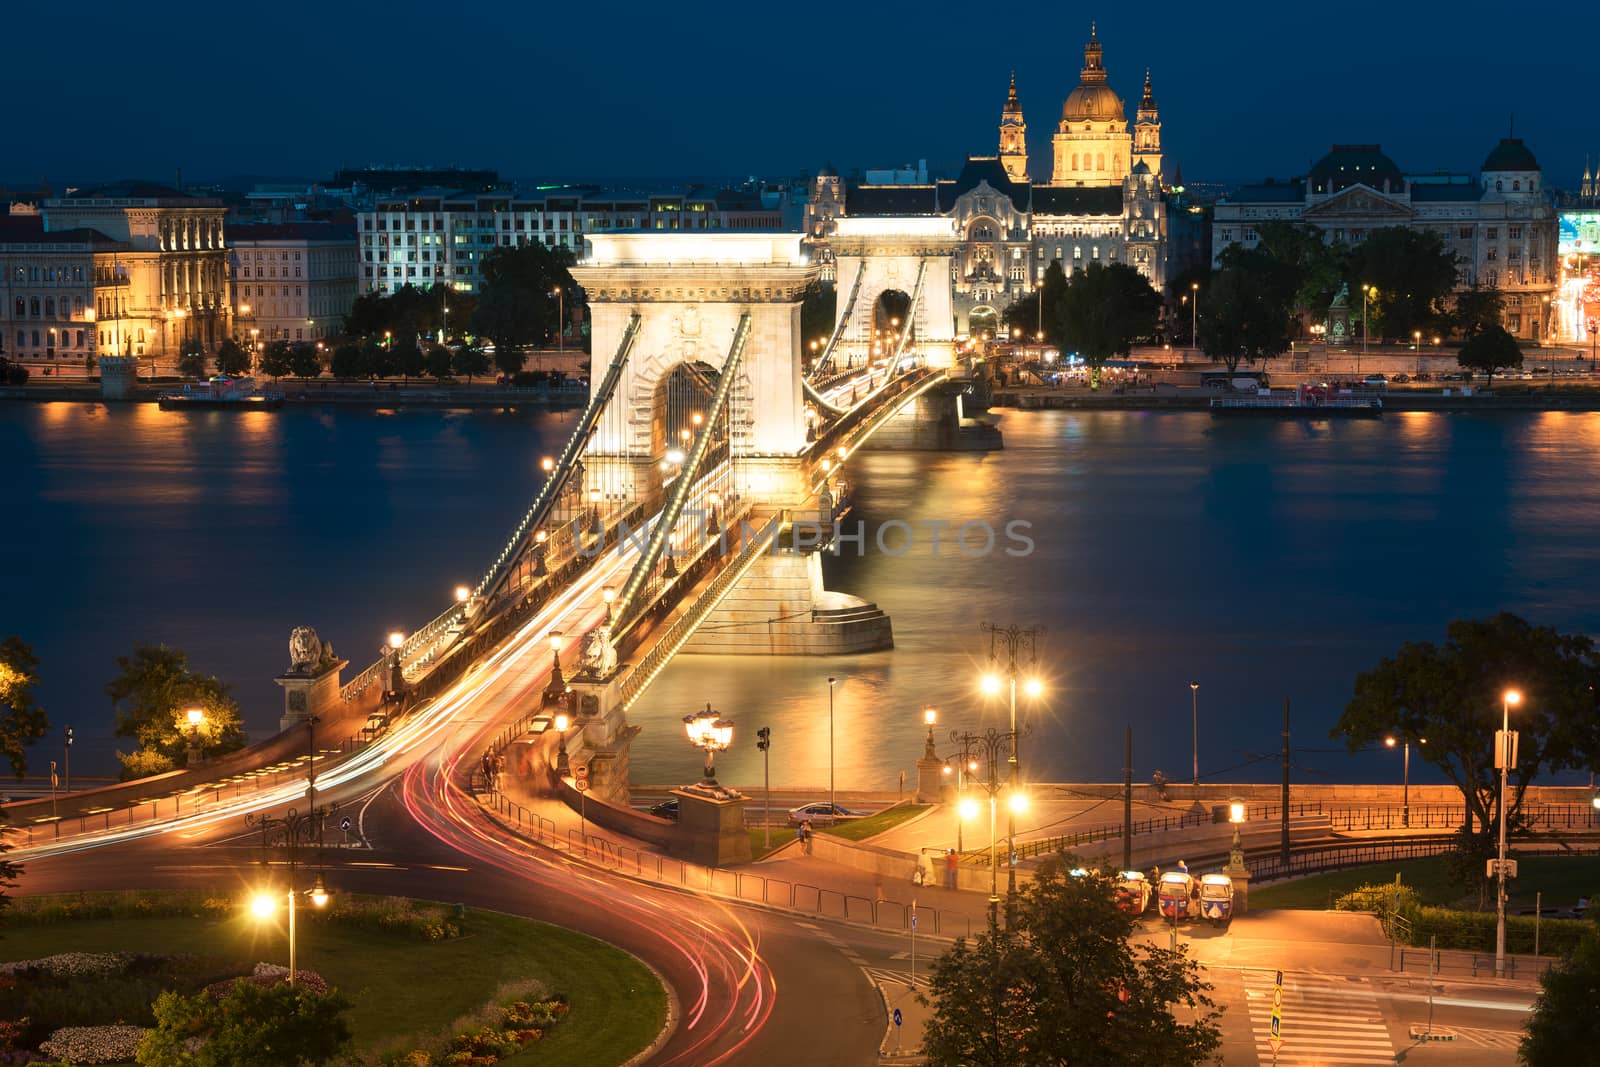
[(1423, 376), (1400, 379), (1376, 380), (667, 809), (821, 813)]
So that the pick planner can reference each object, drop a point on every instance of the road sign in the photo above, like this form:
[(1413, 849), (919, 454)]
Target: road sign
[(1511, 868), (581, 785), (1275, 1036), (913, 918), (344, 824), (581, 772), (897, 1017)]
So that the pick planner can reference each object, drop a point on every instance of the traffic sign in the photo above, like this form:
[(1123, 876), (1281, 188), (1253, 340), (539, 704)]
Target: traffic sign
[(581, 785), (1511, 868), (897, 1017), (581, 772), (1275, 1036), (913, 918), (344, 824)]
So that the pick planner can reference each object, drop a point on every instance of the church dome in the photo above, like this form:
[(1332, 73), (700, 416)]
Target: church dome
[(1510, 154), (1093, 99), (1096, 102)]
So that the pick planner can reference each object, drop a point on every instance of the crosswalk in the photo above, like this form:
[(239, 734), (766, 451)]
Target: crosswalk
[(1469, 1035), (883, 976), (1325, 1020)]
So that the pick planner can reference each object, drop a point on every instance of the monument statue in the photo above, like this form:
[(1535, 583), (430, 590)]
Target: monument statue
[(308, 653), (598, 657)]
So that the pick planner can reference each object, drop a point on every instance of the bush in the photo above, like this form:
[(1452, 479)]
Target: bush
[(1384, 898), (537, 379), (421, 920), (15, 374), (1474, 931)]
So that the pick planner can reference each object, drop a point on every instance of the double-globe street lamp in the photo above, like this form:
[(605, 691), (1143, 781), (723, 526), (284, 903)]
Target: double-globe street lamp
[(708, 730), (265, 904), (1016, 642), (991, 743)]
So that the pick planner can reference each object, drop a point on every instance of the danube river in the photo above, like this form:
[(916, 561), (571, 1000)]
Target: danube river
[(1262, 558)]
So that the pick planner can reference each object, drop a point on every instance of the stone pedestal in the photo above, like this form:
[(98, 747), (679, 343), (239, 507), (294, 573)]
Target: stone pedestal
[(711, 830), (930, 779), (306, 694), (601, 734), (1241, 879), (118, 374)]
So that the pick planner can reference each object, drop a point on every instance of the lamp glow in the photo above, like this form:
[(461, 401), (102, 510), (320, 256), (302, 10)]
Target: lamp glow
[(319, 895), (1236, 811), (263, 905), (1033, 687), (1017, 802), (990, 683), (562, 722), (1513, 697), (396, 639), (196, 716), (930, 714), (968, 808), (462, 592)]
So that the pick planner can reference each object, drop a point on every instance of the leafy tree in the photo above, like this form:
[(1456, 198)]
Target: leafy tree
[(1104, 310), (22, 721), (276, 360), (819, 306), (232, 359), (1563, 1016), (305, 361), (437, 362), (1413, 272), (1063, 983), (512, 320), (1245, 315), (408, 357), (350, 361), (381, 360), (409, 310), (249, 1026), (151, 697), (1477, 310), (1489, 351), (1023, 314), (470, 361), (515, 307), (1319, 268), (1451, 695), (192, 359)]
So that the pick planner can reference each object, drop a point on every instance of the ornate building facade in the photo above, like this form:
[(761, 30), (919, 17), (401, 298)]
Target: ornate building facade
[(1500, 223), (1105, 201)]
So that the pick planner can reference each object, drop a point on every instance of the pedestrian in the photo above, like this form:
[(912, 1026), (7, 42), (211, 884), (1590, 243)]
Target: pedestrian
[(951, 863), (805, 837), (1183, 868)]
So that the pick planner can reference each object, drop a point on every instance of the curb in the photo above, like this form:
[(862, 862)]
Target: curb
[(669, 1025), (885, 1052)]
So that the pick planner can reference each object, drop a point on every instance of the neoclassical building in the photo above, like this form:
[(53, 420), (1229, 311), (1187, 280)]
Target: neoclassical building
[(1500, 223), (1105, 201)]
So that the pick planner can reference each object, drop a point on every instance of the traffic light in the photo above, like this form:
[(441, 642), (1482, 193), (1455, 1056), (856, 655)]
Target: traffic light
[(764, 738)]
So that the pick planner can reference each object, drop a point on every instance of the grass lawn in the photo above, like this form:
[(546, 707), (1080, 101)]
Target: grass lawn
[(781, 835), (1562, 880), (401, 985), (861, 829)]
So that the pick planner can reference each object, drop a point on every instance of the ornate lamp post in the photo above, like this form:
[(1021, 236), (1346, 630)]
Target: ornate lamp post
[(709, 731), (396, 681), (196, 718), (991, 743), (930, 717), (563, 767), (265, 904), (1014, 639)]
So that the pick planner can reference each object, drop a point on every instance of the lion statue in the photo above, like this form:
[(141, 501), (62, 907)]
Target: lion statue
[(598, 657), (306, 651)]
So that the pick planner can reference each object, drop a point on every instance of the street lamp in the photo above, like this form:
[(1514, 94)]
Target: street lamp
[(710, 731), (1015, 639), (609, 596), (1594, 334), (1367, 292), (1194, 315), (833, 804), (196, 718), (1194, 712), (265, 904), (563, 768), (1505, 748), (1405, 794), (391, 653), (930, 716), (991, 742), (561, 314)]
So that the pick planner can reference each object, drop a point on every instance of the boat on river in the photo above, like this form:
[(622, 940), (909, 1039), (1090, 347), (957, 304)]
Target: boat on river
[(1311, 399), (222, 392)]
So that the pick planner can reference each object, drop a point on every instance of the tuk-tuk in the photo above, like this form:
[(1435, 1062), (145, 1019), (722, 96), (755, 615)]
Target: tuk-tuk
[(1216, 899), (1133, 892), (1173, 899)]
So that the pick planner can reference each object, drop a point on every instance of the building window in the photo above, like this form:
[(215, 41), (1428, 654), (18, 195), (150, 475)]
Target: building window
[(1465, 233), (1514, 232), (1077, 253), (1494, 233)]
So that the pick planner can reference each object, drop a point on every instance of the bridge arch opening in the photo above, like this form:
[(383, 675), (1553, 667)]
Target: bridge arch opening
[(682, 400), (983, 320), (891, 316)]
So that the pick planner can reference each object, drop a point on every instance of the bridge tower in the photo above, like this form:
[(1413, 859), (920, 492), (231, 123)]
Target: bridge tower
[(904, 259)]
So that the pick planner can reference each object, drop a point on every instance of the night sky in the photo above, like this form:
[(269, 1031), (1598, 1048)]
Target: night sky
[(1247, 88)]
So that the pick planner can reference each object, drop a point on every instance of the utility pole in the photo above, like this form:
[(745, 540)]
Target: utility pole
[(1127, 798), (1283, 850), (764, 743)]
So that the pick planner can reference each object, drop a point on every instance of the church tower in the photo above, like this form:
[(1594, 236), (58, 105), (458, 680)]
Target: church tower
[(1147, 131), (1092, 146), (1014, 136)]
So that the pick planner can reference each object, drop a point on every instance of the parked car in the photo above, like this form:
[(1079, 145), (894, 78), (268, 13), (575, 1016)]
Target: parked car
[(1377, 381), (1401, 379), (821, 813), (667, 809), (1423, 376)]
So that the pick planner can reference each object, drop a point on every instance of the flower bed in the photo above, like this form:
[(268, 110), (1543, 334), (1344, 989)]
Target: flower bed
[(94, 1044), (479, 1043)]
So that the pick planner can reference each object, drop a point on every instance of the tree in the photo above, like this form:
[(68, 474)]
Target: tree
[(1413, 273), (232, 359), (250, 1025), (469, 361), (408, 357), (1477, 310), (1246, 314), (1488, 352), (151, 697), (1319, 268), (349, 361), (1451, 695), (1064, 984), (1563, 1016), (1104, 310), (22, 722), (437, 362), (192, 359), (275, 359), (510, 319), (305, 361), (515, 307), (380, 358)]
